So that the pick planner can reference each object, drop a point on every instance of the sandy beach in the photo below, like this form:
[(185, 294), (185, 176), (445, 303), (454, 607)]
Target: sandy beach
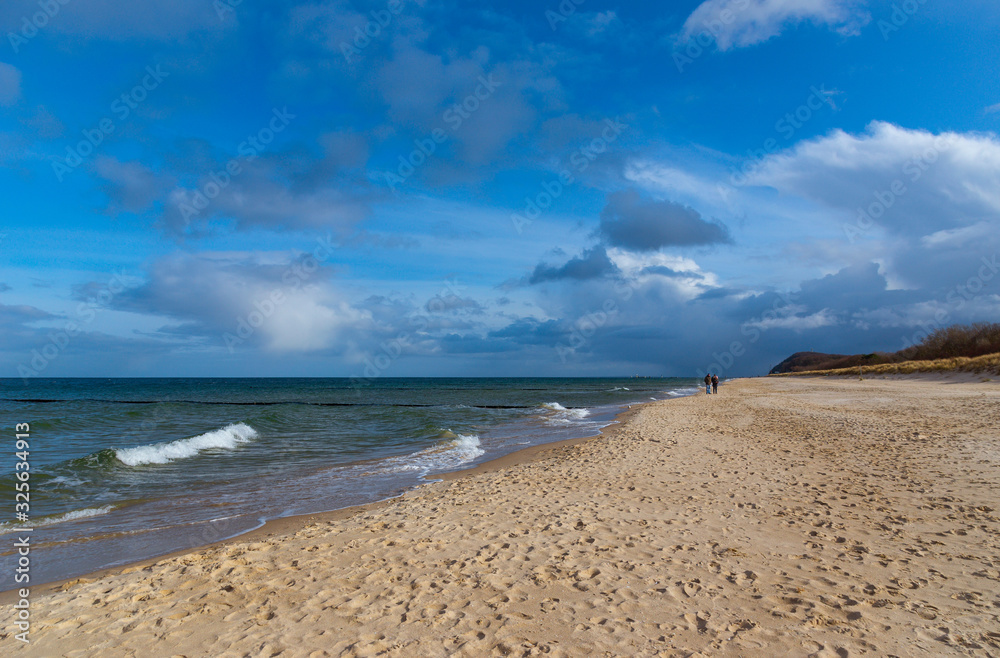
[(782, 517)]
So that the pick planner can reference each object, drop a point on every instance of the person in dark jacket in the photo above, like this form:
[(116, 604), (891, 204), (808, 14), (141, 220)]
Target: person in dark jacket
[(708, 384), (715, 383)]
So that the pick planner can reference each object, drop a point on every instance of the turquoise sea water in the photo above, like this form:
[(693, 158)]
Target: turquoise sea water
[(125, 469)]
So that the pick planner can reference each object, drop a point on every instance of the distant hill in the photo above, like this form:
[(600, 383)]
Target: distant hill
[(804, 361), (958, 341)]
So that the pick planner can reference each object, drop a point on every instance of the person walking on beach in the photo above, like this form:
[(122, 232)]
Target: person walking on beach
[(708, 384), (715, 384)]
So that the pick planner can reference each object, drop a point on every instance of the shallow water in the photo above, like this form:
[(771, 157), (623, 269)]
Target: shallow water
[(125, 469)]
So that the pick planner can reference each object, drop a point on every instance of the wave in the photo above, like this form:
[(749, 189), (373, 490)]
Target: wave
[(62, 480), (84, 513), (681, 392), (562, 415), (458, 451), (445, 456), (228, 438)]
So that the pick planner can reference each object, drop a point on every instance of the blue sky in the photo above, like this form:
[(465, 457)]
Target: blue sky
[(376, 189)]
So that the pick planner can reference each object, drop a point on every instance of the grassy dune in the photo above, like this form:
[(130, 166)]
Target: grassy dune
[(987, 364)]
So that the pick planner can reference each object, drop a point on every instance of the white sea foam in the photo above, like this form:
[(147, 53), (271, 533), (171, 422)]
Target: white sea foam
[(467, 447), (460, 450), (445, 456), (64, 480), (226, 438), (564, 416), (683, 391), (62, 518)]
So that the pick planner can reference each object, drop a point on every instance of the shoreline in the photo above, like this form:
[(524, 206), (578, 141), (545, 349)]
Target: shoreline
[(290, 524), (781, 517)]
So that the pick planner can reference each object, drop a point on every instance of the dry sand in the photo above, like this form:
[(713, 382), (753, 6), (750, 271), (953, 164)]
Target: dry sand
[(781, 517)]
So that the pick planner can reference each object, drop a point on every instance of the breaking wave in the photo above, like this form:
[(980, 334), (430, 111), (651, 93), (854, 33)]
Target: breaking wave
[(563, 416), (60, 518), (227, 438), (448, 455)]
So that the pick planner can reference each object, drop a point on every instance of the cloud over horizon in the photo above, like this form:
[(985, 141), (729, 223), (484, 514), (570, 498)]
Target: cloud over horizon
[(483, 182)]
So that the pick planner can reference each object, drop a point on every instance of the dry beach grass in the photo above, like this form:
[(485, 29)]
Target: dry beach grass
[(805, 516), (988, 364)]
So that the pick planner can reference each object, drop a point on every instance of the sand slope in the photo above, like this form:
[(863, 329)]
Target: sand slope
[(781, 517)]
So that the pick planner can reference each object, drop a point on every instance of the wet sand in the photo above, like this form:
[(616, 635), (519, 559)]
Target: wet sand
[(826, 517)]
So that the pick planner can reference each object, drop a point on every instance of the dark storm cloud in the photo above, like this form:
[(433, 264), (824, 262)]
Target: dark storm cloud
[(22, 314), (454, 303), (633, 222), (590, 264), (855, 288)]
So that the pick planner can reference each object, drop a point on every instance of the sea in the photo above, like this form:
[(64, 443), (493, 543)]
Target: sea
[(127, 469)]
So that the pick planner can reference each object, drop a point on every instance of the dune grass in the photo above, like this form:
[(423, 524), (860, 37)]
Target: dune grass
[(985, 364), (961, 348)]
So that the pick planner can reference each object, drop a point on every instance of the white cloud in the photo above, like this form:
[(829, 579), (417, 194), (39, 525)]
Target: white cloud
[(260, 298), (264, 194), (992, 109), (131, 186), (960, 237), (653, 175), (599, 22), (10, 84), (597, 26), (790, 317), (741, 23), (910, 182), (687, 278)]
